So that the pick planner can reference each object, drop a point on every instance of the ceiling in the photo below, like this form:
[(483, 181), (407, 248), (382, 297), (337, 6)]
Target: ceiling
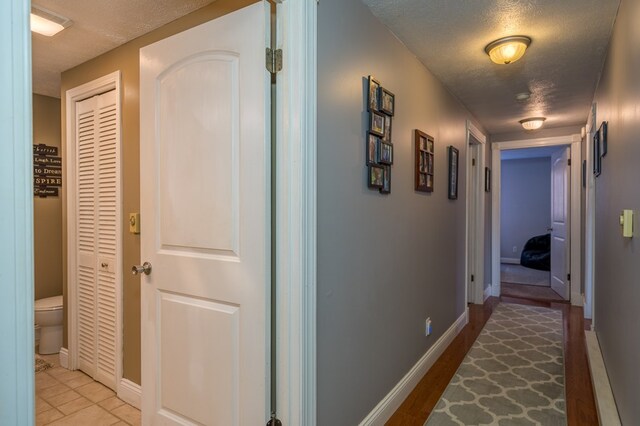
[(560, 69), (98, 26)]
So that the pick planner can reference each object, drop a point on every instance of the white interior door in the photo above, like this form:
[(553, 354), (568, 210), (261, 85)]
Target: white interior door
[(205, 215), (560, 222), (472, 274)]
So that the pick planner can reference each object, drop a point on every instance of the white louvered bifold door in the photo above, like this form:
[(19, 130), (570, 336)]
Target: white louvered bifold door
[(98, 133)]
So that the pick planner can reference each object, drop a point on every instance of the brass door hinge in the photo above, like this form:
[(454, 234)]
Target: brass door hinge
[(274, 60)]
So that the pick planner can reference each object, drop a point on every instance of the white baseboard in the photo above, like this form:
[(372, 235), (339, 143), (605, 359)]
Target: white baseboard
[(130, 392), (605, 403), (487, 292), (390, 403), (64, 358), (510, 260)]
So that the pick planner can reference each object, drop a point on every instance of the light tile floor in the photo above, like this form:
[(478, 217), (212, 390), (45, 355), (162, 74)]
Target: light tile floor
[(65, 397)]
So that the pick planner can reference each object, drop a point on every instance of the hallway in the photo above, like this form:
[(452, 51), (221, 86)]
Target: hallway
[(581, 408)]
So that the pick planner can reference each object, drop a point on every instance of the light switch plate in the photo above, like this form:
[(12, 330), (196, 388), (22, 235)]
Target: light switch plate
[(627, 223), (134, 223)]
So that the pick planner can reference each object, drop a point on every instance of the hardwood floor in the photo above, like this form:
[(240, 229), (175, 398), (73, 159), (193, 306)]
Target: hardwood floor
[(530, 292), (581, 408)]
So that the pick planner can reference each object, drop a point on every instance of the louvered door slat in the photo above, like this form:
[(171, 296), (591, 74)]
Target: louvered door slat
[(98, 137)]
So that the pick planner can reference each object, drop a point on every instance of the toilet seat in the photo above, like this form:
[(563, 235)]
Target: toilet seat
[(48, 304)]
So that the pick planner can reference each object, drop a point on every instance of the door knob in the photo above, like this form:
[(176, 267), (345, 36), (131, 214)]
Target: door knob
[(144, 269)]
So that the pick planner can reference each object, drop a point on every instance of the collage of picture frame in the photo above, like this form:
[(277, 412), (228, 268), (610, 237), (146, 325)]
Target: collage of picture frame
[(424, 161), (379, 148)]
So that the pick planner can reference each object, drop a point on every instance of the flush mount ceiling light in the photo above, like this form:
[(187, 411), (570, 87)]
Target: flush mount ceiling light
[(46, 22), (507, 49), (523, 97), (532, 123)]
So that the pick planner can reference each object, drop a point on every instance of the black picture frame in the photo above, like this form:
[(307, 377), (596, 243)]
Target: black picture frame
[(375, 176), (387, 128), (602, 134), (487, 179), (597, 159), (376, 124), (584, 173), (386, 181), (387, 101), (385, 153), (454, 157), (373, 96), (371, 148)]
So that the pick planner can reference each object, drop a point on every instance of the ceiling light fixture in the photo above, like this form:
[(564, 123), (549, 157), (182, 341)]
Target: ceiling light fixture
[(522, 97), (507, 49), (46, 22), (532, 123)]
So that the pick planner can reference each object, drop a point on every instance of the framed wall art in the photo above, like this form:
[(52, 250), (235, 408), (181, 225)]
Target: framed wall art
[(424, 161), (487, 179), (378, 147), (454, 156), (377, 123), (387, 101), (373, 100), (376, 176), (597, 158), (602, 134)]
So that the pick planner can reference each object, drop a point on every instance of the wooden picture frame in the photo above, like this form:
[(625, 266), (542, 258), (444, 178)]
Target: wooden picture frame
[(454, 157), (373, 97), (424, 161), (387, 101), (376, 125), (375, 176), (487, 179)]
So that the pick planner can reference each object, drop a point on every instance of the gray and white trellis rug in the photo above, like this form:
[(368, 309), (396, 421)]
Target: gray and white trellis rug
[(513, 375)]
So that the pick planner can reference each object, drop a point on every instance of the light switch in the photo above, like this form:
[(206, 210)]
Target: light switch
[(134, 223), (626, 220)]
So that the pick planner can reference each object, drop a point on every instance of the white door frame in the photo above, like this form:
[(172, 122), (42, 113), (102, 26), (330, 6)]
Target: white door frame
[(85, 91), (295, 185), (475, 225), (16, 216), (590, 222), (576, 183), (296, 201)]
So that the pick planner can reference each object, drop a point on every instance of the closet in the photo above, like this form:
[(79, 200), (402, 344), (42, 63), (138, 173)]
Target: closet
[(97, 216)]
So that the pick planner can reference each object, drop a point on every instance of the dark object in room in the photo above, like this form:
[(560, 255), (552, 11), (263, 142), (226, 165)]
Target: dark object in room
[(537, 253)]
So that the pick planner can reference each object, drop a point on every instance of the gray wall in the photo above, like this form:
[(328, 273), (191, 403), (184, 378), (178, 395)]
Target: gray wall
[(385, 262), (617, 282), (525, 203)]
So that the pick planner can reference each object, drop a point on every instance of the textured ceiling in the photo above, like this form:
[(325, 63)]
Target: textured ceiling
[(98, 26), (560, 69)]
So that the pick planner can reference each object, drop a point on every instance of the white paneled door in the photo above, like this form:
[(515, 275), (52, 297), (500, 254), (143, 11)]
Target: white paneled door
[(560, 222), (205, 217)]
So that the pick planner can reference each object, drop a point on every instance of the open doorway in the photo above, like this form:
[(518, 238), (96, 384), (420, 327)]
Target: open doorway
[(534, 255), (571, 226)]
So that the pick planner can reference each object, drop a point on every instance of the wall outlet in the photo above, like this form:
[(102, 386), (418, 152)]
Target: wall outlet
[(427, 327), (515, 249)]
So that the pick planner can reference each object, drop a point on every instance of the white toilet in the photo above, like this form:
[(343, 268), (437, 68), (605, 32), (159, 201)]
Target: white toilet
[(48, 315)]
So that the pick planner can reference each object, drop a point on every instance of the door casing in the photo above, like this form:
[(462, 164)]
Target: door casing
[(474, 233), (576, 169)]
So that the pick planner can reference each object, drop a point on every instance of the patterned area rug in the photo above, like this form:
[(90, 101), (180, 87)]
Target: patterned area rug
[(42, 365), (513, 374)]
